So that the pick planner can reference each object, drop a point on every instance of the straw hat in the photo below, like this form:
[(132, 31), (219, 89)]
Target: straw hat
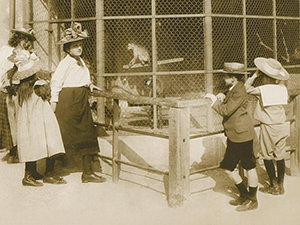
[(74, 33), (27, 32), (27, 64), (272, 68), (234, 68)]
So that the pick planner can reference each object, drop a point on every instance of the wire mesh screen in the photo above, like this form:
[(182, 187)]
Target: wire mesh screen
[(180, 38), (259, 7), (227, 7), (287, 41), (84, 8), (162, 50), (118, 35), (168, 7), (227, 41), (260, 38)]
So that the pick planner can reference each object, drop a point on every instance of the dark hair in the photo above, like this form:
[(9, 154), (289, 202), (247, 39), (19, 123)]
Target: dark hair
[(239, 77), (66, 48), (25, 89), (267, 79), (16, 38)]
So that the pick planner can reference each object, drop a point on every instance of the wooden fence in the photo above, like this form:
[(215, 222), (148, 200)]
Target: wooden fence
[(179, 140)]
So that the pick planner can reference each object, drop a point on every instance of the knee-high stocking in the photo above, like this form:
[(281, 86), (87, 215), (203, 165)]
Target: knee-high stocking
[(270, 170)]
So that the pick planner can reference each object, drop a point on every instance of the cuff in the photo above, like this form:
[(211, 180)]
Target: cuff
[(214, 99)]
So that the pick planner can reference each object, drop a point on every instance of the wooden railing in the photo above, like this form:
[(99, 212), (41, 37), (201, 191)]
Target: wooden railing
[(179, 140)]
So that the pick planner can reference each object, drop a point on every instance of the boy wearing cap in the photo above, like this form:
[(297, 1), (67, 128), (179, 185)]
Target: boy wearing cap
[(274, 130), (239, 129)]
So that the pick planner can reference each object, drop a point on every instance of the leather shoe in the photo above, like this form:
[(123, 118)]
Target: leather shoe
[(85, 178), (238, 201), (12, 159), (247, 206), (54, 180), (270, 189), (30, 181)]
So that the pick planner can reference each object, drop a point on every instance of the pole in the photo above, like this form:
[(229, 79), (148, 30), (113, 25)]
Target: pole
[(208, 57), (275, 30), (27, 12), (116, 154), (100, 58), (12, 14), (50, 31), (179, 156), (154, 62)]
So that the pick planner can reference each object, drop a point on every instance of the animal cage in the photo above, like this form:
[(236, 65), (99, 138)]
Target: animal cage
[(187, 43), (170, 51)]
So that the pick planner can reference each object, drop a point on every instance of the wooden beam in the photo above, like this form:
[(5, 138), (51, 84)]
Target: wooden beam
[(12, 14), (295, 134), (116, 154), (137, 99), (100, 58), (179, 156)]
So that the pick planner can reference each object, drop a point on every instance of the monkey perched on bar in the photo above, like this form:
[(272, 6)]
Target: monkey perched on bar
[(139, 53)]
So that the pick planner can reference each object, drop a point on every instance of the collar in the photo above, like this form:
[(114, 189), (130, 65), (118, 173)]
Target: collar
[(233, 86)]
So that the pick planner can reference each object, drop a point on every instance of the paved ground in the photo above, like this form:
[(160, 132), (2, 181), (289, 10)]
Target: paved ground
[(128, 203)]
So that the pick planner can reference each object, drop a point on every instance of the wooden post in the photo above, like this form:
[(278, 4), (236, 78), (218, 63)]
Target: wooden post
[(50, 31), (245, 34), (208, 57), (179, 156), (295, 134), (154, 62), (27, 12), (274, 30), (12, 14), (116, 154), (100, 58)]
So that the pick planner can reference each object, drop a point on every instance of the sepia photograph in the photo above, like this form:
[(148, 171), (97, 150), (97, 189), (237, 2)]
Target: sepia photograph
[(146, 112)]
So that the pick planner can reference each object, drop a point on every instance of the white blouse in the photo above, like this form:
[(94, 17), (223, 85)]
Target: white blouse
[(69, 74)]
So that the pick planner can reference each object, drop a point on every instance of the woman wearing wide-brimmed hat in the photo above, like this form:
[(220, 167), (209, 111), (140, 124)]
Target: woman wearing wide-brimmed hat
[(70, 89), (21, 39), (38, 133), (274, 130)]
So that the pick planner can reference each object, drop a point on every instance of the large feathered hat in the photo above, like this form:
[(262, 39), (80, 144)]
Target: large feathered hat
[(74, 33), (27, 32)]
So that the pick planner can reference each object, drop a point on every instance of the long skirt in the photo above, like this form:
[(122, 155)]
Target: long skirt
[(74, 117), (38, 132), (5, 132), (272, 140)]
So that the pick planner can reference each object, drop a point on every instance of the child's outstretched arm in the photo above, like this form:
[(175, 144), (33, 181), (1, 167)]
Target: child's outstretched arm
[(248, 85), (231, 105)]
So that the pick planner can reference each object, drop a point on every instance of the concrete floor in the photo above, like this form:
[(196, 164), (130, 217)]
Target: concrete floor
[(128, 203)]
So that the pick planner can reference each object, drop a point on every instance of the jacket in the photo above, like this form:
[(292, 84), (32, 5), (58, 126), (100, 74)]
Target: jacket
[(238, 124)]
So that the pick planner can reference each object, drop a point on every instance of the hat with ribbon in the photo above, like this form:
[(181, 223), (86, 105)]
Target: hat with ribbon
[(74, 33), (272, 68), (27, 63), (234, 68), (27, 32)]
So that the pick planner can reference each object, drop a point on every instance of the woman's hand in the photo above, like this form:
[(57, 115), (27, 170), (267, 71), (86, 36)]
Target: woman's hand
[(53, 106), (92, 87)]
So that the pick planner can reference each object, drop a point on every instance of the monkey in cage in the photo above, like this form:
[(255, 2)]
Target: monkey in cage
[(139, 53)]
